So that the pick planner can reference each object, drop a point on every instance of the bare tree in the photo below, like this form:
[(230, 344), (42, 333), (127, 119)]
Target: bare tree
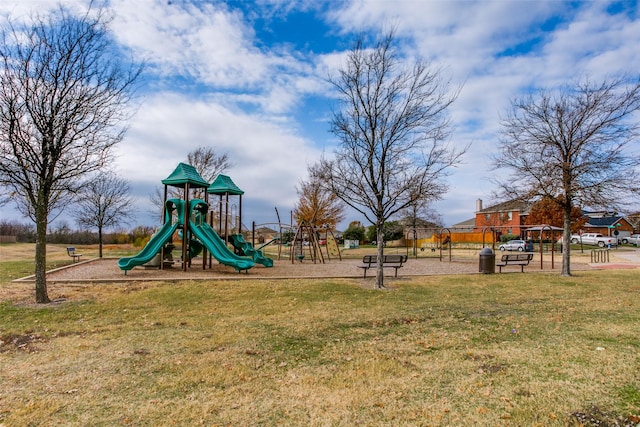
[(420, 212), (207, 162), (391, 129), (102, 203), (317, 206), (571, 145), (63, 95)]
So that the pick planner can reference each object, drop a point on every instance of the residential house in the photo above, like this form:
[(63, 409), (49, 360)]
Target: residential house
[(505, 218), (612, 225), (634, 220), (509, 218), (466, 226)]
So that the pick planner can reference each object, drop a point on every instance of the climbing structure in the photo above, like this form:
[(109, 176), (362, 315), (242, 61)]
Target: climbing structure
[(306, 243), (223, 187), (186, 218), (186, 178)]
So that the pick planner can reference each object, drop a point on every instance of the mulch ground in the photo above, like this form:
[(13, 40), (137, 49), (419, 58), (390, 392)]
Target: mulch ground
[(106, 270), (65, 282)]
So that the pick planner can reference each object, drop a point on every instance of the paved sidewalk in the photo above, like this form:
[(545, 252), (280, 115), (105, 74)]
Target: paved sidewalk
[(620, 260)]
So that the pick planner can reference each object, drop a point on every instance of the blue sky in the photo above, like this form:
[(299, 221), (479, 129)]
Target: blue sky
[(249, 79)]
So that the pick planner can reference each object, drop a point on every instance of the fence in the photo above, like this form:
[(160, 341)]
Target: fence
[(433, 239)]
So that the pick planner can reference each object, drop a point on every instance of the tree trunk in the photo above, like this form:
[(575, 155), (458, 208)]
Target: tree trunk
[(566, 241), (100, 242), (380, 252), (41, 256)]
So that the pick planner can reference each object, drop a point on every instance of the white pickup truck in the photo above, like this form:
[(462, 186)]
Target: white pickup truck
[(594, 239), (634, 240)]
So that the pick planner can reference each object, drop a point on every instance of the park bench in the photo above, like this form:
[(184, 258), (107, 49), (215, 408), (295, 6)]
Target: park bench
[(393, 261), (515, 259), (71, 251)]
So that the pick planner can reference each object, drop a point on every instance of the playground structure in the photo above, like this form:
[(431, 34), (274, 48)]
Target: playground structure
[(188, 219), (159, 239), (434, 241), (307, 241), (282, 230), (246, 248), (299, 241), (305, 237)]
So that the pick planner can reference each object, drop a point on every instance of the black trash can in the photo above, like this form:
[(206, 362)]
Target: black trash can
[(487, 261)]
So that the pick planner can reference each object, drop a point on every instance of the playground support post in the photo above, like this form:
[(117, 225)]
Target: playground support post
[(415, 243), (185, 227), (164, 213), (449, 242)]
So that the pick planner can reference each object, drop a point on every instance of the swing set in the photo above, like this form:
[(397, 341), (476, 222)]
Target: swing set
[(307, 241)]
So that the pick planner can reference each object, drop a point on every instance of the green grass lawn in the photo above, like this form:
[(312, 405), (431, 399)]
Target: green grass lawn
[(17, 259), (532, 349)]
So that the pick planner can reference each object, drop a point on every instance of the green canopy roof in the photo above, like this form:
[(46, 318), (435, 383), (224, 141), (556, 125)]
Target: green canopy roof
[(184, 174), (224, 185)]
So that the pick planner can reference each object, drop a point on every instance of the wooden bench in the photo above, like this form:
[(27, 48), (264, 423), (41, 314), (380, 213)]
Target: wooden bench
[(71, 251), (521, 259), (393, 261)]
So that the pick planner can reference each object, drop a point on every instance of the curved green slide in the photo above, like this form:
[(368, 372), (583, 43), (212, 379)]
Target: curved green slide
[(214, 244), (158, 239), (247, 248), (151, 249)]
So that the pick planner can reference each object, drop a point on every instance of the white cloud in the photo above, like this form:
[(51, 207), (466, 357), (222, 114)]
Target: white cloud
[(268, 158), (22, 10), (204, 41), (212, 81), (499, 50)]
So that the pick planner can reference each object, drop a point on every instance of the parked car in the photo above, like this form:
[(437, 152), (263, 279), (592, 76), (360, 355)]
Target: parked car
[(514, 245), (634, 240)]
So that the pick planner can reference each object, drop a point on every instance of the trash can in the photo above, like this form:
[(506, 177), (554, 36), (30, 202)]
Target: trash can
[(487, 261)]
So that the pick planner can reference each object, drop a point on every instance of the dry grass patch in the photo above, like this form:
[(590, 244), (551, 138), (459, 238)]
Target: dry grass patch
[(484, 350), (58, 252)]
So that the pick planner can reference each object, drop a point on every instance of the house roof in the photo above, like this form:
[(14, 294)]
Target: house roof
[(224, 185), (599, 214), (265, 230), (471, 222), (509, 206), (184, 174), (603, 221)]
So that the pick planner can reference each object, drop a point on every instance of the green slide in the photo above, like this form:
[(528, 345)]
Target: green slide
[(150, 249), (238, 242), (218, 248)]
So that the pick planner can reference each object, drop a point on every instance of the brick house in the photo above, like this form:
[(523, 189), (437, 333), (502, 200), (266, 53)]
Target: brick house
[(509, 218), (607, 225), (634, 220), (506, 218)]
